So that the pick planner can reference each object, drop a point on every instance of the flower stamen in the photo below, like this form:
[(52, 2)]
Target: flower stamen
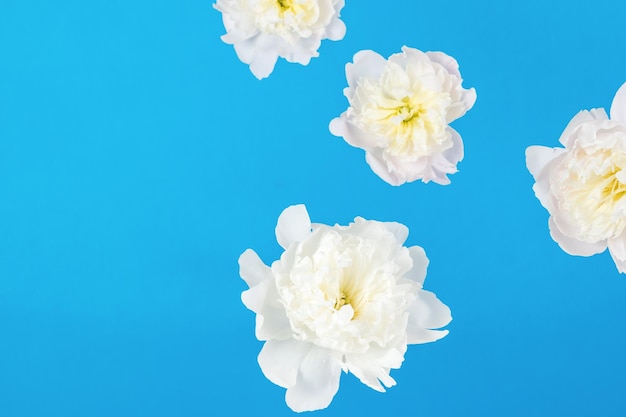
[(341, 301), (614, 190), (285, 4)]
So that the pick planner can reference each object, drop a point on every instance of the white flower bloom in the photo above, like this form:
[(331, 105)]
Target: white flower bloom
[(263, 30), (583, 186), (399, 114), (340, 298)]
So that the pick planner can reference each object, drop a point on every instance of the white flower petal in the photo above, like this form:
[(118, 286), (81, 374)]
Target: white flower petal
[(618, 107), (300, 54), (271, 320), (252, 269), (317, 382), (418, 335), (469, 98), (389, 234), (337, 126), (340, 126), (420, 265), (542, 183), (425, 314), (280, 360), (373, 366), (336, 30), (537, 157), (439, 180), (582, 117), (256, 297), (400, 231), (368, 377), (455, 154), (446, 162), (293, 225), (408, 170), (366, 64), (617, 248), (573, 246), (263, 62), (446, 61), (262, 298), (621, 266), (380, 168)]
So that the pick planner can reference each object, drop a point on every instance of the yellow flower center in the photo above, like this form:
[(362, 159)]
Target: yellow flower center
[(593, 189), (613, 190), (408, 111), (411, 117), (285, 4), (287, 17), (341, 301), (349, 296)]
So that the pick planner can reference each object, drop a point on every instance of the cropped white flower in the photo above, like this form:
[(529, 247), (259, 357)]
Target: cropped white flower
[(583, 186), (340, 298), (263, 30), (399, 114)]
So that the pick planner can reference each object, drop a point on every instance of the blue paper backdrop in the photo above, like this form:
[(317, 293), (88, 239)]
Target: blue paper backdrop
[(139, 158)]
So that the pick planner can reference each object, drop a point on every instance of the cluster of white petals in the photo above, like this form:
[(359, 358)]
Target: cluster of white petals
[(583, 186), (340, 298), (399, 113), (263, 30)]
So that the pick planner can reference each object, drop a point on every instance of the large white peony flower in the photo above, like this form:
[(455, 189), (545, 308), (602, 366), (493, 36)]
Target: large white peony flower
[(340, 298), (263, 30), (583, 186), (399, 114)]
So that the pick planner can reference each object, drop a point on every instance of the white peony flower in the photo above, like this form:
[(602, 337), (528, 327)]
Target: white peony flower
[(340, 298), (583, 186), (399, 114), (263, 30)]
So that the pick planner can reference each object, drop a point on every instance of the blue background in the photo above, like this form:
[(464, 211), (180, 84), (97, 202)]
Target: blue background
[(139, 157)]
